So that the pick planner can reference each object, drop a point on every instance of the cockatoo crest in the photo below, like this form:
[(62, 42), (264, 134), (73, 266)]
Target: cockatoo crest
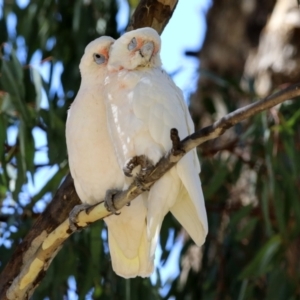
[(95, 56), (138, 48)]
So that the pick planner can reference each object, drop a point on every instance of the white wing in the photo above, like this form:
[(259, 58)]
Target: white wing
[(144, 106), (90, 150), (168, 110)]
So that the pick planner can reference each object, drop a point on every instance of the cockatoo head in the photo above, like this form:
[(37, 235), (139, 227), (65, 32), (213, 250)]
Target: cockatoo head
[(95, 57), (137, 48)]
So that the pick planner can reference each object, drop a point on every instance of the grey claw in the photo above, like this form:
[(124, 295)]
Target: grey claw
[(73, 215), (127, 172), (130, 165), (109, 203), (146, 168), (140, 183)]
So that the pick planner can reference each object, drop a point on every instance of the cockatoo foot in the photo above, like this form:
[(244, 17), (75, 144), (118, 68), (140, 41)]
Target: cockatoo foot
[(146, 168), (130, 165), (73, 215), (140, 160), (176, 147), (139, 181), (109, 202)]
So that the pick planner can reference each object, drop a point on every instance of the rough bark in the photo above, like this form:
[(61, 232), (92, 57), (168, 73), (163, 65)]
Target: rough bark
[(233, 29), (276, 59), (250, 48), (152, 13), (231, 23), (248, 40)]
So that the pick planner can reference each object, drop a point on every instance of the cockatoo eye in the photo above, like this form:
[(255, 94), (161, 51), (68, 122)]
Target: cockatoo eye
[(132, 45), (99, 58)]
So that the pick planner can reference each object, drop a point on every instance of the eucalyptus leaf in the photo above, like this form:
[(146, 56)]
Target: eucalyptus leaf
[(263, 261)]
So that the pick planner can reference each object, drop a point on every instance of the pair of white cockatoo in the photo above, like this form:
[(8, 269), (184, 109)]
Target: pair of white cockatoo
[(125, 107)]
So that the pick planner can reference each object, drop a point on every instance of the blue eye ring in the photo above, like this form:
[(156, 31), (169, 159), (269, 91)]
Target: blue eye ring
[(132, 45), (99, 58)]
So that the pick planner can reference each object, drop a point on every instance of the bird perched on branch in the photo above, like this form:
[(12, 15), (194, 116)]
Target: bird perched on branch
[(95, 169), (143, 105)]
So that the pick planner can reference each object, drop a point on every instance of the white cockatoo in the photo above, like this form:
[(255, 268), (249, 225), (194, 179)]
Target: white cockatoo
[(95, 169), (143, 105)]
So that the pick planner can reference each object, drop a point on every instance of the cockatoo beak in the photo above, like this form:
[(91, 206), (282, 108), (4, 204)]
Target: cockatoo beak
[(147, 50), (114, 67)]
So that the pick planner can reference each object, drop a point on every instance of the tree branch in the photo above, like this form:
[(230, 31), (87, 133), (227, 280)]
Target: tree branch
[(55, 213), (38, 264)]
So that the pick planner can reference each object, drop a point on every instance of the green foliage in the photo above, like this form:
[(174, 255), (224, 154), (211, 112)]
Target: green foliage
[(252, 193), (251, 186)]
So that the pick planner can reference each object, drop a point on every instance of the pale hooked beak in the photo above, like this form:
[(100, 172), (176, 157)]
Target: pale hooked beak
[(114, 67), (146, 50)]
